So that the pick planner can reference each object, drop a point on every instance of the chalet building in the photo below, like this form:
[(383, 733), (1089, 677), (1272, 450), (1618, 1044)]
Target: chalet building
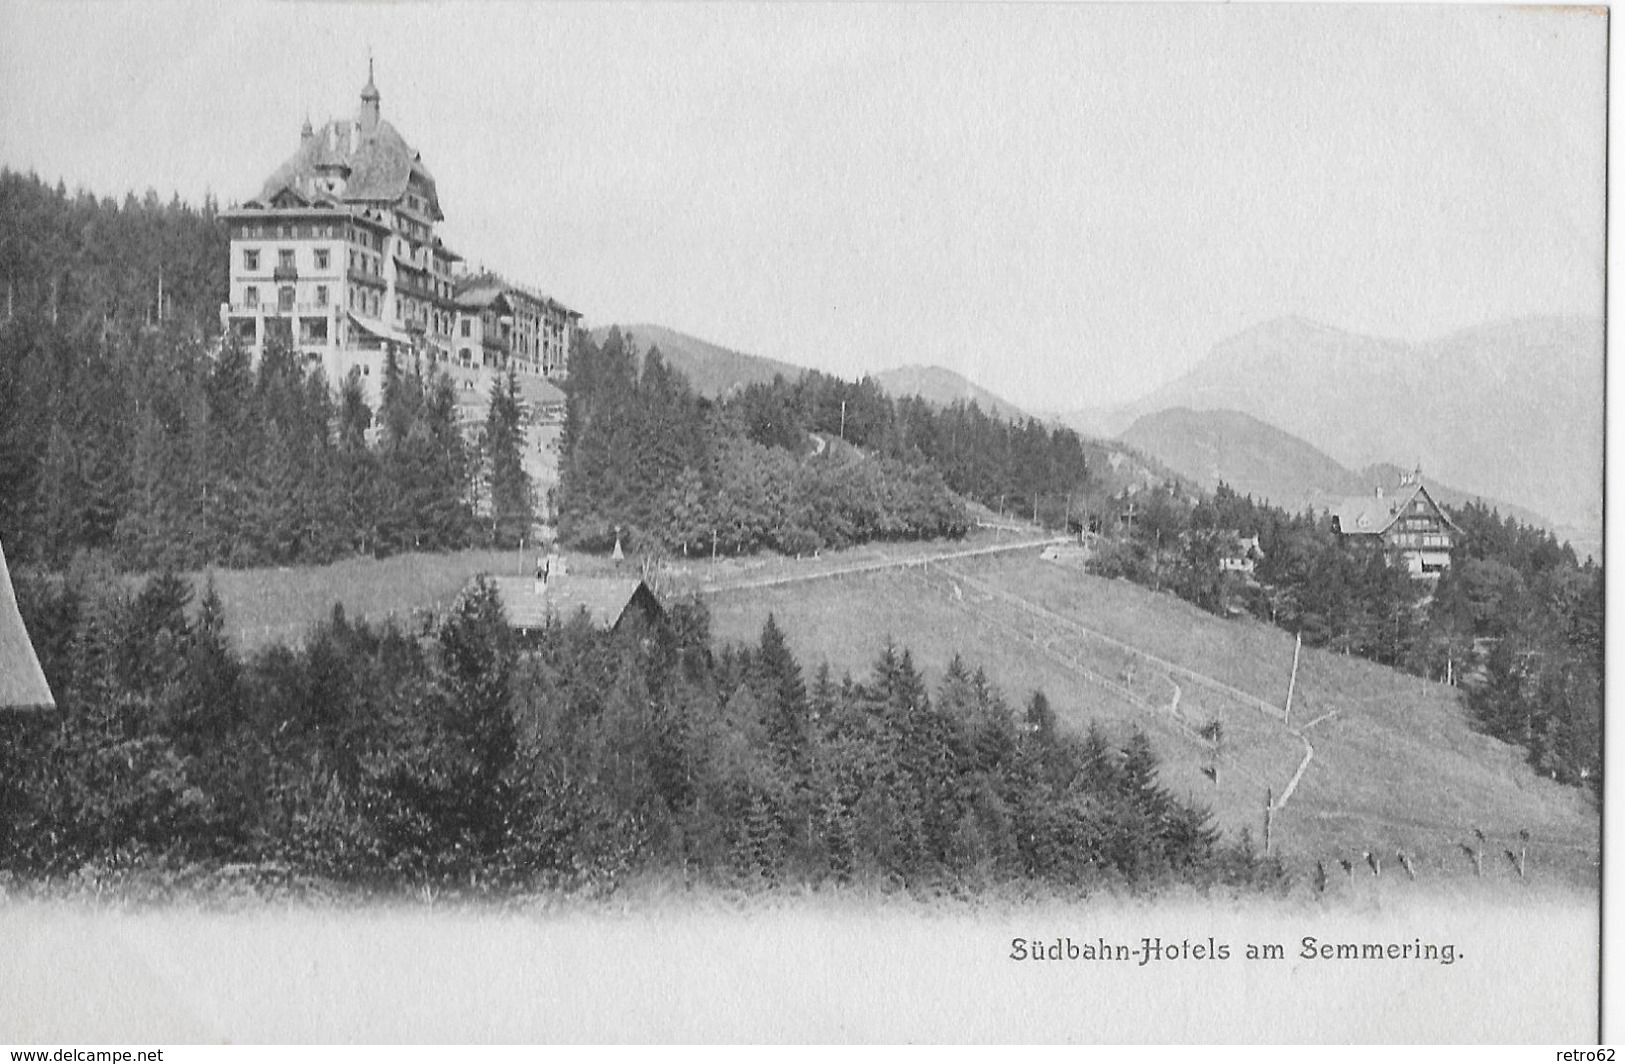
[(337, 257), (1407, 525), (22, 681)]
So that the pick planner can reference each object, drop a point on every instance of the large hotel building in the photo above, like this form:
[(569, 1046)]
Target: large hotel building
[(338, 259)]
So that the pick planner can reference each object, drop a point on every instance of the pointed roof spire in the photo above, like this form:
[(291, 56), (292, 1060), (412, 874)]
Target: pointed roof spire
[(305, 131), (369, 102)]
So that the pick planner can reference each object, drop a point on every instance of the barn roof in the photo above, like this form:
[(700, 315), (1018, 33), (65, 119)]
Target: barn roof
[(605, 599), (22, 681)]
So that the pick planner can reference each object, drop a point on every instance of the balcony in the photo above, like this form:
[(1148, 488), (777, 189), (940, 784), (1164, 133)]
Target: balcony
[(277, 310), (285, 273)]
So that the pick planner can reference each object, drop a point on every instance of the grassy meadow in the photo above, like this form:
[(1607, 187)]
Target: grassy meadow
[(271, 605), (1396, 765), (800, 968)]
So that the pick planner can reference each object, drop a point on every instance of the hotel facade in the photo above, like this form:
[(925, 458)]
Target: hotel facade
[(337, 258)]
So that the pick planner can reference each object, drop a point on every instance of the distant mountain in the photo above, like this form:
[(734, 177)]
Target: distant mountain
[(1510, 410), (1252, 457), (1258, 459), (714, 370), (944, 387), (711, 369)]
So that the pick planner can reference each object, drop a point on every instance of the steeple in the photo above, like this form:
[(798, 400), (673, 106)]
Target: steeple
[(369, 102)]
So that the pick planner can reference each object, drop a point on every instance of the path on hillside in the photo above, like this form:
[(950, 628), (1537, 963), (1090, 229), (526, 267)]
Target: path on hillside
[(1050, 616), (1042, 636), (880, 565), (1174, 670)]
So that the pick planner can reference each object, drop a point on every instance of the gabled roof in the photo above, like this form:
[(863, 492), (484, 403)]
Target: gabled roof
[(1375, 514), (606, 599), (22, 681)]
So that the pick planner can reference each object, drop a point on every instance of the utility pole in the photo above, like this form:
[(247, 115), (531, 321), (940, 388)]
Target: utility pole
[(1293, 682), (843, 420)]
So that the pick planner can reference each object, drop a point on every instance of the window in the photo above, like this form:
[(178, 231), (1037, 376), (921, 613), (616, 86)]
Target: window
[(251, 260), (284, 258), (321, 258), (466, 327), (321, 295), (284, 297), (251, 296)]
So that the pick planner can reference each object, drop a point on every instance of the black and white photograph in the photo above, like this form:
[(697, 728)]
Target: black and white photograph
[(801, 523)]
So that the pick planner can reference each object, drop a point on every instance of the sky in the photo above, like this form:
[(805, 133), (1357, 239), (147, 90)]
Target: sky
[(1070, 204)]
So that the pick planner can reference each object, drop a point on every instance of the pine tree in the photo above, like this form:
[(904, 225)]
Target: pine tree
[(512, 496)]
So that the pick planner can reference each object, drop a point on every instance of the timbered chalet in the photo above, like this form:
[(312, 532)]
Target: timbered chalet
[(1407, 525)]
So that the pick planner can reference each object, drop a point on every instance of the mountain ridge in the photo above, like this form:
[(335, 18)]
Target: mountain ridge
[(1256, 458), (1509, 409), (714, 370)]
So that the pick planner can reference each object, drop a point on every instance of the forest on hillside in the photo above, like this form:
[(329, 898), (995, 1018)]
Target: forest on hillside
[(374, 758), (1516, 621), (793, 466), (129, 435), (126, 429)]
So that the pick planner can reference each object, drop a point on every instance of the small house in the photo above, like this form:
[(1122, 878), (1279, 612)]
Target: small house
[(1240, 555), (608, 601), (1407, 525)]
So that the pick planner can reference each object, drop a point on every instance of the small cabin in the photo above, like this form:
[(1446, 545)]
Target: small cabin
[(1408, 525), (608, 601)]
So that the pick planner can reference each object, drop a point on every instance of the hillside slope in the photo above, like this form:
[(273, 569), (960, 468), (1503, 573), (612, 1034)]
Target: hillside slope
[(713, 370), (1257, 459), (944, 387), (1509, 410), (1395, 764)]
